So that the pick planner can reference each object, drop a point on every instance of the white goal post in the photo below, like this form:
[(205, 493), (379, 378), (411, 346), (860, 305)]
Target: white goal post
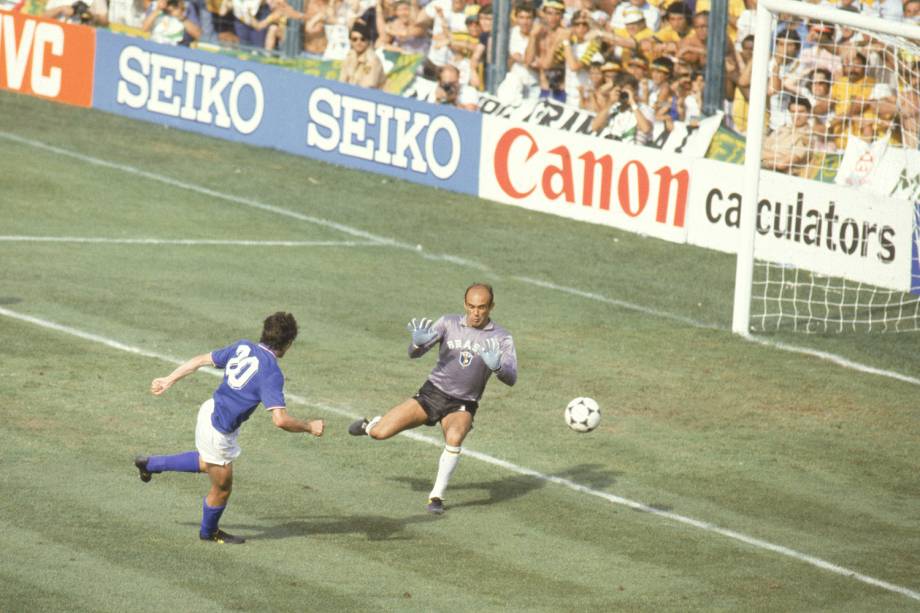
[(758, 108)]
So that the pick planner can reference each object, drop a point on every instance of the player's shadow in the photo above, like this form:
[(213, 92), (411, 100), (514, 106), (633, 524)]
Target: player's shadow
[(594, 476), (374, 527)]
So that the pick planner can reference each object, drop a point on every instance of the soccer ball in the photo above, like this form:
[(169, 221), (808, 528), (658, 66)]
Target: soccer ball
[(582, 414)]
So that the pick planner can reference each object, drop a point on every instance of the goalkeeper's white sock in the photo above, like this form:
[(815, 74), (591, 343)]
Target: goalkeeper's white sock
[(371, 424), (450, 457)]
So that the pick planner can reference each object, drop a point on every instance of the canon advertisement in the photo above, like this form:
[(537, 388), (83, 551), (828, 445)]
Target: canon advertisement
[(600, 181)]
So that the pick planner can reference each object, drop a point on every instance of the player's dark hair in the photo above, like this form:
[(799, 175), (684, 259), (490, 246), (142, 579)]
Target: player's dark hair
[(484, 286), (279, 330)]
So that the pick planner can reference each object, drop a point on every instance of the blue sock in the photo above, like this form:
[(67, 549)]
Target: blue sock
[(181, 462), (209, 518)]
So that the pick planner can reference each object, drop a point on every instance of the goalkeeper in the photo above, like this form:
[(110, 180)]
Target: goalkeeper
[(472, 348)]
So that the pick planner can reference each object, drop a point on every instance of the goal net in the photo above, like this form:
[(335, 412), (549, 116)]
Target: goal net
[(831, 245)]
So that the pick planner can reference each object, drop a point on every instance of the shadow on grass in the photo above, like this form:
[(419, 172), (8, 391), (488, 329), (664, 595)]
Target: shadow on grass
[(594, 476), (374, 527), (380, 528)]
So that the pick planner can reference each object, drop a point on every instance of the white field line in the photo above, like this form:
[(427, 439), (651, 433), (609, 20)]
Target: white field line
[(509, 466), (815, 353), (620, 303), (184, 242), (833, 358)]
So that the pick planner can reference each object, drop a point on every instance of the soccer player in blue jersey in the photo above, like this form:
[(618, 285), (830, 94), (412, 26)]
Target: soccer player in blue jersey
[(472, 349), (251, 376)]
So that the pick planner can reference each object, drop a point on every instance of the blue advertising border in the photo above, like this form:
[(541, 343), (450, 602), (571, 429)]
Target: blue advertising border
[(273, 107)]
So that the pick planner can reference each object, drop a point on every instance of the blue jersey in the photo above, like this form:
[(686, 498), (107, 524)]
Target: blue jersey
[(251, 376)]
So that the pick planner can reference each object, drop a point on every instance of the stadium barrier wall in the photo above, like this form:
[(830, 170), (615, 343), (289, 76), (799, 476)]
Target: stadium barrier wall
[(823, 227), (47, 59), (272, 107), (630, 187)]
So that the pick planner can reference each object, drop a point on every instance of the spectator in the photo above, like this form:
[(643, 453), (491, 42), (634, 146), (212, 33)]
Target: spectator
[(127, 12), (624, 118), (659, 89), (385, 8), (848, 39), (891, 10), (275, 22), (581, 49), (875, 127), (443, 17), (603, 11), (853, 95), (906, 100), (466, 52), (783, 70), (786, 149), (692, 101), (593, 96), (347, 12), (401, 32), (93, 14), (818, 93), (247, 13), (739, 83), (676, 28), (692, 47), (682, 86), (486, 22), (736, 8), (220, 14), (361, 66), (451, 91), (745, 23), (521, 81), (545, 51), (172, 22), (911, 11), (632, 39), (638, 68), (317, 14), (661, 97), (649, 12), (821, 53)]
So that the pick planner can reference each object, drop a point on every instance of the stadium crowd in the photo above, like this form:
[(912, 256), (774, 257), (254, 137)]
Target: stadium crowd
[(637, 64)]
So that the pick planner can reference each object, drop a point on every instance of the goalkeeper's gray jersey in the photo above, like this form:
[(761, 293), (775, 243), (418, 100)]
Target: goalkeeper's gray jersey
[(460, 371)]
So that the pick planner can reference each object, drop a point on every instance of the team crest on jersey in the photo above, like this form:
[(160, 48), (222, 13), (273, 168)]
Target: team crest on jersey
[(466, 358)]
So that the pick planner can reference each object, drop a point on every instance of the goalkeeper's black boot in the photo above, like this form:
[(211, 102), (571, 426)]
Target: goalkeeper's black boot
[(141, 463), (435, 506), (358, 428)]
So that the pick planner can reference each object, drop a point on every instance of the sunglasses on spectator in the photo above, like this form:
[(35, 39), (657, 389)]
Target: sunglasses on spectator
[(580, 23), (357, 38)]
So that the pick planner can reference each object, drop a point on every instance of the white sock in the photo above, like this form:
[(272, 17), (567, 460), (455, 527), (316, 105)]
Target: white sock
[(450, 457), (371, 424)]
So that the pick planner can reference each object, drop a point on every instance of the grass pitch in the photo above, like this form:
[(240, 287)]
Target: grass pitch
[(761, 478)]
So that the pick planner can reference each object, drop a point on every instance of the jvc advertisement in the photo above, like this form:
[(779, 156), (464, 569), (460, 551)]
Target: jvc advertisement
[(273, 107), (46, 58)]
